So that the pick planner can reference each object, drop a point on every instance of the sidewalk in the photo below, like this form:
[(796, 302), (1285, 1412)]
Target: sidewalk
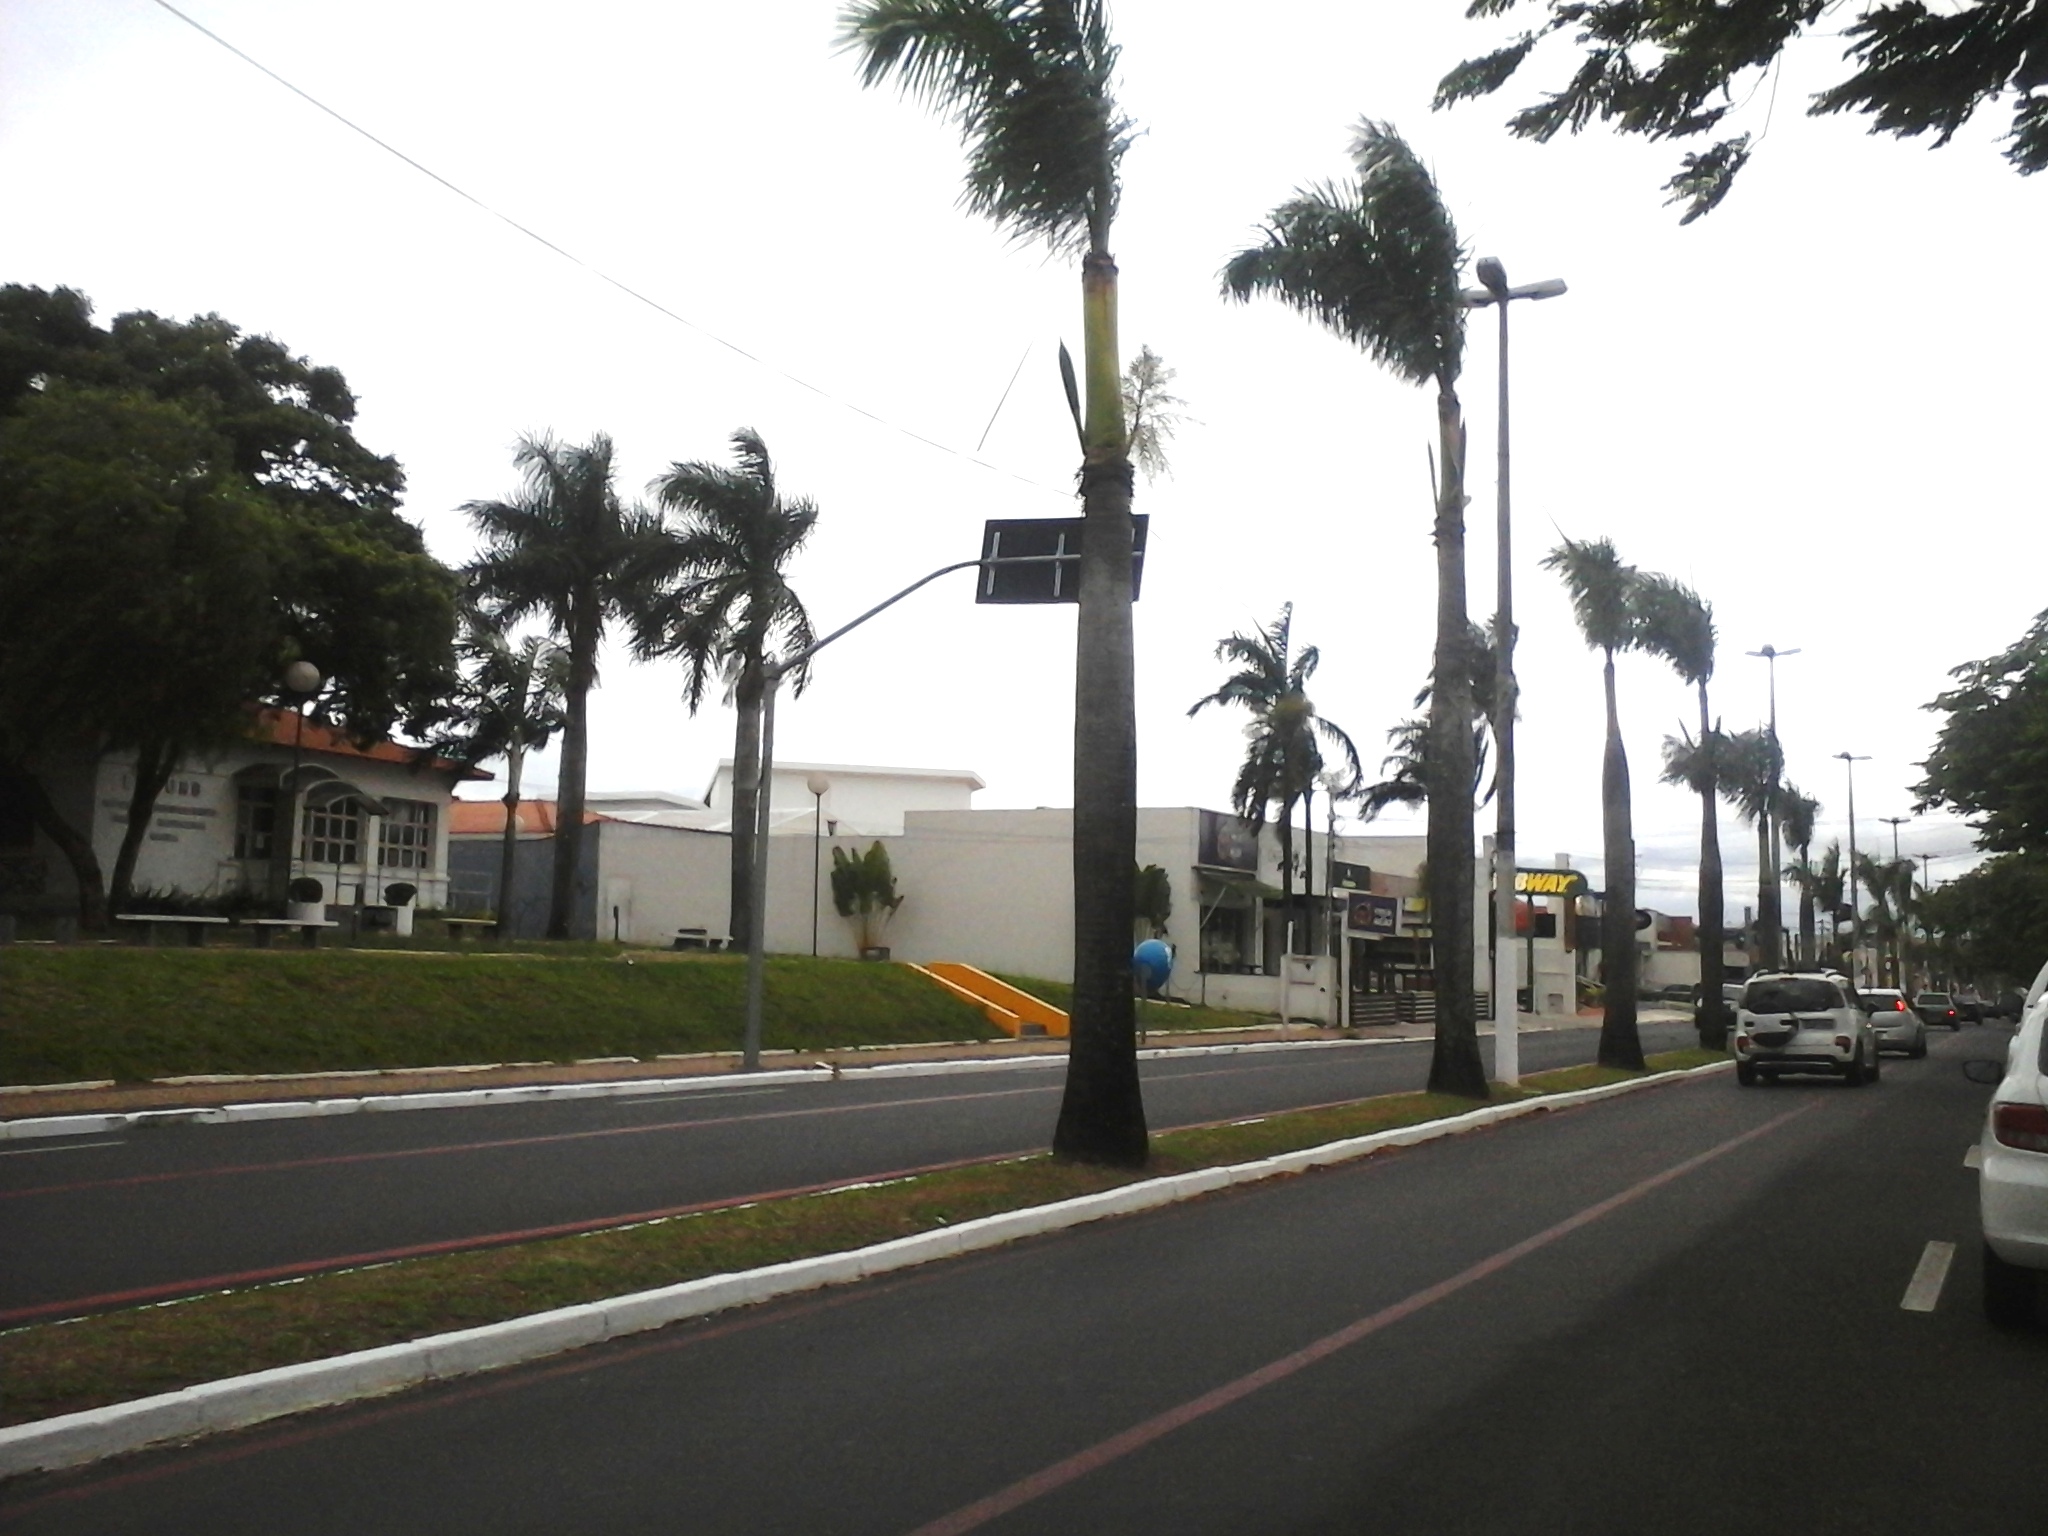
[(205, 1092)]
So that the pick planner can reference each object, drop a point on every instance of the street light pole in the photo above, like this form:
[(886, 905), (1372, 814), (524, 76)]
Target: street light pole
[(1506, 1024), (772, 674), (1855, 906), (1775, 923)]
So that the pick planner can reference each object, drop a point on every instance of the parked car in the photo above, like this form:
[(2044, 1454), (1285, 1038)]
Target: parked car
[(1898, 1027), (1805, 1022), (1938, 1008), (2012, 1174), (2009, 1004)]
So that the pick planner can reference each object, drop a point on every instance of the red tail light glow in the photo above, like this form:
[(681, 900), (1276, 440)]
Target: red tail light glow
[(1899, 1006), (2021, 1125)]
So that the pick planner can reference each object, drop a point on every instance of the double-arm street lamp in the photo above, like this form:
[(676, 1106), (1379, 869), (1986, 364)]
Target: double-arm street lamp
[(1506, 1045)]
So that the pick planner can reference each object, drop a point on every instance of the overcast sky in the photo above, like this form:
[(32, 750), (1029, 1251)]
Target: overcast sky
[(1813, 405)]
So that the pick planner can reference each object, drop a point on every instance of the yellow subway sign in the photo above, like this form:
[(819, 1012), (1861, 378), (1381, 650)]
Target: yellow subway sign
[(1549, 882)]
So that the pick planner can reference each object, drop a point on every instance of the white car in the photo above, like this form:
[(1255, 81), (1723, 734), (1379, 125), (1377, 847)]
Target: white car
[(1803, 1021), (2012, 1177)]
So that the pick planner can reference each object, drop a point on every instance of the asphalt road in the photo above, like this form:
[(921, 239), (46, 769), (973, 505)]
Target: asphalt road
[(164, 1211), (1676, 1312)]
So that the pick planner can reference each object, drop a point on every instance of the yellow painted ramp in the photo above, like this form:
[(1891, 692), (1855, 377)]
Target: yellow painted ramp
[(1013, 1011)]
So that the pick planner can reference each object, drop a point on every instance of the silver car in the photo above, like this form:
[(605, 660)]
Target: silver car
[(1898, 1027), (1803, 1021)]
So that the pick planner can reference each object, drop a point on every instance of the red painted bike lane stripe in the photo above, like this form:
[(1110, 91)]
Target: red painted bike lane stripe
[(1050, 1479)]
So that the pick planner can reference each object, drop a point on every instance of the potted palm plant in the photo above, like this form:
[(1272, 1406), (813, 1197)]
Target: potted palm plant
[(864, 891), (305, 900)]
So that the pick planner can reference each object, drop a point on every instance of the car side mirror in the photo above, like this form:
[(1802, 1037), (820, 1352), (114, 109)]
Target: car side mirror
[(1990, 1073)]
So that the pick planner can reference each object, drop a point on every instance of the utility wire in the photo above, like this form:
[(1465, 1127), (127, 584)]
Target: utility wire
[(603, 276)]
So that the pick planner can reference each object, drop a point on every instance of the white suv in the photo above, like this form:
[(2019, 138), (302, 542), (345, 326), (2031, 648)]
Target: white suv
[(1803, 1021), (2012, 1182)]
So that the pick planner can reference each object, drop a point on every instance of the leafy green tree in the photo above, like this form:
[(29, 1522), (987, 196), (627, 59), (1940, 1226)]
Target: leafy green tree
[(1282, 755), (1675, 69), (1993, 921), (186, 510), (1990, 759), (509, 703), (1678, 626), (1030, 84), (735, 534), (1375, 259), (564, 549), (1154, 904), (1605, 593)]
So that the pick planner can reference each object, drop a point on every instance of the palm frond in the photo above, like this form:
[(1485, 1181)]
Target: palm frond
[(1603, 589), (1375, 260), (1031, 86), (1676, 624)]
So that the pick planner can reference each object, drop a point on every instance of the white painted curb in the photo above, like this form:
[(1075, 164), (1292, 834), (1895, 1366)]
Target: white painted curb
[(76, 1438), (531, 1093)]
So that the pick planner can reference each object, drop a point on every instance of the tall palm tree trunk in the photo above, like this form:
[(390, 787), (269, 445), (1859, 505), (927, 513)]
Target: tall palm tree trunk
[(1454, 1065), (583, 638), (1102, 1113), (1286, 876), (508, 844), (1713, 1017), (1620, 1045), (1761, 945), (746, 802)]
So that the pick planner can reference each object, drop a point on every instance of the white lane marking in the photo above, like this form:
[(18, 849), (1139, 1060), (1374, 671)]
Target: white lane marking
[(1923, 1291), (75, 1146), (1974, 1158)]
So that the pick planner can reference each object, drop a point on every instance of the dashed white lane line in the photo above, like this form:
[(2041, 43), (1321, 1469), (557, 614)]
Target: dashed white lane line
[(69, 1146), (1974, 1158), (1923, 1291)]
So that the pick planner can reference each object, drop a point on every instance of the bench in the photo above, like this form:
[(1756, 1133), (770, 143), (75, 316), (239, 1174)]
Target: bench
[(460, 928), (699, 938), (149, 924), (261, 928)]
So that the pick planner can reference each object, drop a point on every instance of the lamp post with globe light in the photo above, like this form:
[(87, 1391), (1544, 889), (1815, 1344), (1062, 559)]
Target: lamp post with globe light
[(302, 681), (817, 784)]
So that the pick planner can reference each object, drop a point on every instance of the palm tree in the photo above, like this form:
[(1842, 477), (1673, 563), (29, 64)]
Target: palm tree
[(1751, 768), (1406, 766), (1282, 757), (1604, 592), (509, 704), (1152, 411), (1029, 83), (1890, 884), (565, 548), (1678, 625), (1797, 814), (1376, 260), (734, 534)]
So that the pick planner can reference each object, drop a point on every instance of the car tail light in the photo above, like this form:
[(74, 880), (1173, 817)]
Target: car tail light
[(1899, 1006), (1951, 1013), (2021, 1125), (1841, 1042)]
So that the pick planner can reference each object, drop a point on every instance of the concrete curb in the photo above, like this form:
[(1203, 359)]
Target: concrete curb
[(237, 1402), (30, 1128)]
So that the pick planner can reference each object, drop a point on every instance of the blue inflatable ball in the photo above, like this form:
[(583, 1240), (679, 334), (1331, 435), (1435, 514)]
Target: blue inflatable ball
[(1153, 963)]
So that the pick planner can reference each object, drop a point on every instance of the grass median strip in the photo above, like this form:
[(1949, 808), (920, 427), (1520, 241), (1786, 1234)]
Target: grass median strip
[(53, 1368)]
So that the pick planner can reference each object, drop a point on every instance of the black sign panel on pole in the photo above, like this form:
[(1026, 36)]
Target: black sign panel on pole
[(1043, 579)]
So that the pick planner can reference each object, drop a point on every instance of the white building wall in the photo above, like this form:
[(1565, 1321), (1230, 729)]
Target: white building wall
[(662, 879), (870, 802)]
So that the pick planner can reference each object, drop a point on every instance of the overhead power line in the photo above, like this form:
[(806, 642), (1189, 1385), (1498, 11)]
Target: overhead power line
[(599, 273)]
